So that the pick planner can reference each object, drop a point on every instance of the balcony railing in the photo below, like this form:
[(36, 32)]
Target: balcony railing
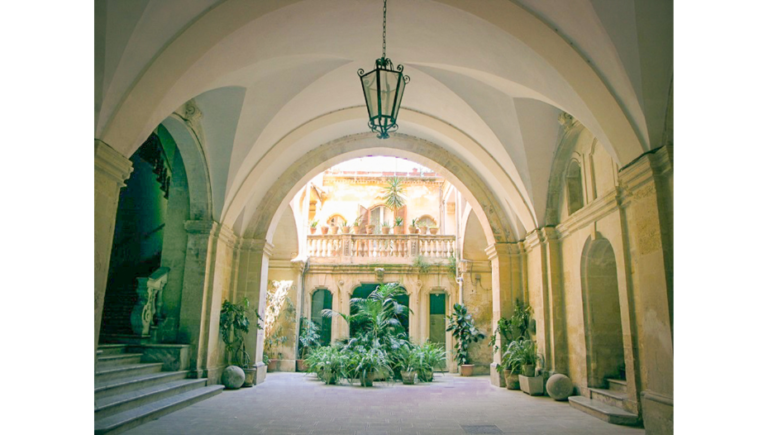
[(365, 248)]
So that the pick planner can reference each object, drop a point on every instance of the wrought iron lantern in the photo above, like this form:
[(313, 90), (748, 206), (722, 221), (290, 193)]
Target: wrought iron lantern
[(383, 88)]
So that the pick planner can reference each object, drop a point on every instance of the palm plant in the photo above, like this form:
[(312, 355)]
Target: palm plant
[(368, 361), (462, 327), (433, 356), (329, 362), (393, 195)]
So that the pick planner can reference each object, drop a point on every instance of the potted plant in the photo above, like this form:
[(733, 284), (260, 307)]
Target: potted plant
[(309, 338), (369, 361), (413, 229), (329, 363), (370, 228), (462, 327), (345, 228), (385, 227), (398, 225), (279, 314), (234, 324), (413, 361), (312, 227), (527, 358), (356, 225), (324, 229), (433, 356), (334, 229), (393, 196), (433, 229), (510, 365), (423, 229)]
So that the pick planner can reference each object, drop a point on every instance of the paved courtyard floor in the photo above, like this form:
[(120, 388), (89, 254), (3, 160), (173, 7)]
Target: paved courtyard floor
[(295, 403)]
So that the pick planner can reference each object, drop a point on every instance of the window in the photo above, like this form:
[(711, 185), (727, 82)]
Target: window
[(574, 188)]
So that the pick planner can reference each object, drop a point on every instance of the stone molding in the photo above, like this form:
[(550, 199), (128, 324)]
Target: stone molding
[(509, 249), (590, 214), (541, 236), (657, 397), (257, 245), (200, 226), (299, 265), (111, 163)]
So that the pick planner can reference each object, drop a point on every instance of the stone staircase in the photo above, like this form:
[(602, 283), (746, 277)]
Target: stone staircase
[(129, 393), (609, 405)]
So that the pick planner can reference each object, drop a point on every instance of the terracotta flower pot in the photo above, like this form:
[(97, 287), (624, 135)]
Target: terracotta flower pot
[(334, 229), (312, 230), (467, 369), (345, 230), (384, 230), (356, 230), (301, 365), (272, 366), (433, 230), (423, 230), (413, 230), (399, 230), (324, 230), (369, 229)]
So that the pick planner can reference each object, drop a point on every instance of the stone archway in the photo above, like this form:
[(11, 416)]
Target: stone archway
[(602, 313)]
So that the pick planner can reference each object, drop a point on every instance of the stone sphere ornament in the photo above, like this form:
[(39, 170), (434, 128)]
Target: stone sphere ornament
[(233, 377), (559, 387)]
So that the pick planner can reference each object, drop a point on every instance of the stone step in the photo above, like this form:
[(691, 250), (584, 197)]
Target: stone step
[(128, 419), (617, 385), (112, 373), (111, 349), (609, 397), (604, 412), (135, 383), (133, 399), (124, 359)]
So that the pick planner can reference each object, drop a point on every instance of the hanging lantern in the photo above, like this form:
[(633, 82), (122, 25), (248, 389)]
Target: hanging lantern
[(383, 88)]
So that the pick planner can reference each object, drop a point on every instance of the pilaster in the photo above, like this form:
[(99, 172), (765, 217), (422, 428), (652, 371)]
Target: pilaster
[(645, 222), (506, 287), (111, 169)]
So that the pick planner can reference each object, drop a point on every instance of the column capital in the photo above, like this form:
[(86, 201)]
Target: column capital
[(541, 236), (299, 264), (499, 250), (111, 163), (257, 245)]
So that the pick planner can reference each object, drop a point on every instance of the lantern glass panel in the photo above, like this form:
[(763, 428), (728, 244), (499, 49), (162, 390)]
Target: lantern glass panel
[(388, 91), (371, 93)]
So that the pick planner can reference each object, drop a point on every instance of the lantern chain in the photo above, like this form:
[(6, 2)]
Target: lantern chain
[(384, 34)]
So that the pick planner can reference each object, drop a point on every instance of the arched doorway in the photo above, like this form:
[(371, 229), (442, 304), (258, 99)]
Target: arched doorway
[(602, 313), (322, 299)]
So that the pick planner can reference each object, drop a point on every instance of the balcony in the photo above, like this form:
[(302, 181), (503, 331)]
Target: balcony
[(379, 248)]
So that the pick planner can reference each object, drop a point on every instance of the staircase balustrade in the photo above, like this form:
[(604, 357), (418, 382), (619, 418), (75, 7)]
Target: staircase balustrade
[(150, 291)]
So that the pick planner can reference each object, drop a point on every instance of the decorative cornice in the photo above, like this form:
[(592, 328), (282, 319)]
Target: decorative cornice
[(111, 163), (190, 112), (592, 212), (541, 236), (568, 121), (657, 397)]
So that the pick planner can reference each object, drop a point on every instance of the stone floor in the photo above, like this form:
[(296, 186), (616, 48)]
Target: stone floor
[(294, 403)]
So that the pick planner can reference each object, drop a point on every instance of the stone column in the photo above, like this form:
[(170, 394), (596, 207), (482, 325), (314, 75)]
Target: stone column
[(298, 267), (254, 271), (645, 190), (340, 328), (111, 170), (201, 301), (506, 287)]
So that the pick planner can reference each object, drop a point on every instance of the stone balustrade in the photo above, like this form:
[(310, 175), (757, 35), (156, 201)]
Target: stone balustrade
[(374, 248), (150, 290)]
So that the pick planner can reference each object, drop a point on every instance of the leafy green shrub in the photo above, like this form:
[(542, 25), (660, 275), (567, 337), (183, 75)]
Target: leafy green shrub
[(234, 324), (309, 336), (462, 327)]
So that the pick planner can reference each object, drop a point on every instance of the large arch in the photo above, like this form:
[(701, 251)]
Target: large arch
[(158, 89), (496, 227)]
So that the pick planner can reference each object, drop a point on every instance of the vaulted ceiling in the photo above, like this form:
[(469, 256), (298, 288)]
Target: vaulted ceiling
[(497, 71)]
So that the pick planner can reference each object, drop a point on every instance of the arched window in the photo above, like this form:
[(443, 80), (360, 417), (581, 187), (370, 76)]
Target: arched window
[(322, 300), (337, 220), (574, 188), (426, 221)]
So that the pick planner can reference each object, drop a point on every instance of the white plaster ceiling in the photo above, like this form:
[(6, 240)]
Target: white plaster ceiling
[(257, 79)]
